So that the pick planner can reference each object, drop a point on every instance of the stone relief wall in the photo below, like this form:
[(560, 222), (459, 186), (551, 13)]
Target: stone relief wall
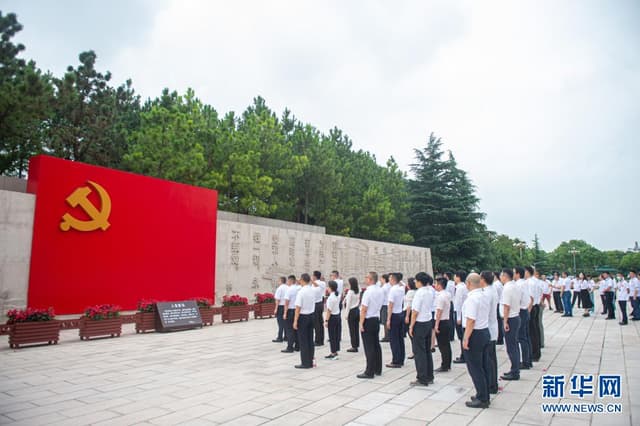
[(251, 257)]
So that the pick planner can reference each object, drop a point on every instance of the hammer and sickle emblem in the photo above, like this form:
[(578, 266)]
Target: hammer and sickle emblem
[(99, 218)]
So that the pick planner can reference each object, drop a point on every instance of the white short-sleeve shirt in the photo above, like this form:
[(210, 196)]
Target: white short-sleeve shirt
[(476, 307), (511, 298), (319, 290), (373, 299), (443, 303), (305, 299), (421, 303), (490, 292), (396, 296), (290, 295), (333, 304), (525, 294), (280, 293)]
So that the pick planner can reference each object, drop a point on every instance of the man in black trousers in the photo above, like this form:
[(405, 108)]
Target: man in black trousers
[(510, 307), (290, 314), (443, 324), (319, 288), (370, 306), (303, 321), (420, 329)]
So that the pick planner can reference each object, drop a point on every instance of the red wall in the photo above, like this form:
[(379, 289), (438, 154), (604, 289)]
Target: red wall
[(160, 242)]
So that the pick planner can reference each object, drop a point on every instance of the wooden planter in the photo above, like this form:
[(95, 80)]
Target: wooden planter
[(111, 327), (264, 310), (145, 321), (207, 315), (34, 332), (235, 313)]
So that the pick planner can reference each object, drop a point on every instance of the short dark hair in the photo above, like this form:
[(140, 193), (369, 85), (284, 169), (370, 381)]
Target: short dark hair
[(305, 277), (462, 275), (448, 275), (385, 277), (397, 276), (411, 282), (292, 277), (508, 272), (335, 272), (529, 269), (317, 275), (633, 270), (487, 276), (333, 286), (374, 276), (424, 278), (353, 283), (442, 281), (518, 270), (283, 279)]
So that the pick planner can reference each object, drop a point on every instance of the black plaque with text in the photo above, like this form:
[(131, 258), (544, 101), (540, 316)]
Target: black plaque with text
[(175, 316)]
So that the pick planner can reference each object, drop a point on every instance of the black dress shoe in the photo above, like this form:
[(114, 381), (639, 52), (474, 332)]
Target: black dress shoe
[(393, 365), (384, 341), (303, 366), (509, 376), (623, 323), (475, 398), (493, 391), (411, 357), (287, 351), (379, 373), (441, 370), (319, 344), (277, 340), (476, 403), (524, 367), (364, 376), (352, 350), (458, 361), (418, 383)]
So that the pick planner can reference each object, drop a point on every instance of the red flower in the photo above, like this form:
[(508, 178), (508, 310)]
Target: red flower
[(147, 305), (234, 300), (204, 302), (100, 312), (265, 297), (29, 315)]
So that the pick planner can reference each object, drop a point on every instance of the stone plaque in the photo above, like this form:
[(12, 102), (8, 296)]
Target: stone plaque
[(175, 316)]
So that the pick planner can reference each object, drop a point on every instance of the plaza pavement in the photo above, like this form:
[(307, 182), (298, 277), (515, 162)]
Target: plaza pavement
[(233, 374)]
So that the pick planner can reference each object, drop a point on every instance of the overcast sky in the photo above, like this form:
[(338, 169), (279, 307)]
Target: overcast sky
[(538, 100)]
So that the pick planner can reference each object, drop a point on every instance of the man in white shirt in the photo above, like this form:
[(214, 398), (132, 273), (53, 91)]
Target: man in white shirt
[(634, 295), (556, 287), (607, 288), (475, 316), (279, 311), (526, 303), (395, 321), (546, 291), (384, 311), (623, 297), (499, 287), (372, 300), (510, 312), (451, 289), (290, 313), (320, 288), (544, 286), (420, 330), (566, 295), (443, 324), (490, 292), (535, 290), (458, 301), (303, 321)]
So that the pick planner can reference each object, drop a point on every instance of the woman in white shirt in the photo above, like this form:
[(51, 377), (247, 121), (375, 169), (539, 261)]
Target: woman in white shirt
[(408, 297), (332, 320), (352, 306), (584, 293)]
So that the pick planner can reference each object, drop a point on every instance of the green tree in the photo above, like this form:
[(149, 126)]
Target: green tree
[(25, 97)]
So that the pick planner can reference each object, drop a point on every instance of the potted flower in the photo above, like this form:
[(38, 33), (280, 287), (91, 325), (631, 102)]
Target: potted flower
[(146, 316), (235, 308), (101, 320), (206, 310), (32, 326), (265, 306)]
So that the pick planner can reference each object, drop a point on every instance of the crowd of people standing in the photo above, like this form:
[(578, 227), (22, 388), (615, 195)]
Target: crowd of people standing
[(483, 310)]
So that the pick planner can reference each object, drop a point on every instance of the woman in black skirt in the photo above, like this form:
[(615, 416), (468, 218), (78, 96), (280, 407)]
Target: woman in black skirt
[(332, 320), (585, 289), (352, 305)]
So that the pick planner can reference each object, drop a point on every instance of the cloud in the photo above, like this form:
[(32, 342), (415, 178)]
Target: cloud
[(537, 99)]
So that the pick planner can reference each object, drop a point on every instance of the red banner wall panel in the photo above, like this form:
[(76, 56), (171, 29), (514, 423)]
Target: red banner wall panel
[(106, 236)]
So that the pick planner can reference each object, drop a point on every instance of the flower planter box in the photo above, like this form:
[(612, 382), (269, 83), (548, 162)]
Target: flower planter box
[(207, 315), (34, 332), (264, 310), (235, 313), (111, 327), (145, 321)]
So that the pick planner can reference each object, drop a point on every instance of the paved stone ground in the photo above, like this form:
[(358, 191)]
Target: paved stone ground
[(234, 374)]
